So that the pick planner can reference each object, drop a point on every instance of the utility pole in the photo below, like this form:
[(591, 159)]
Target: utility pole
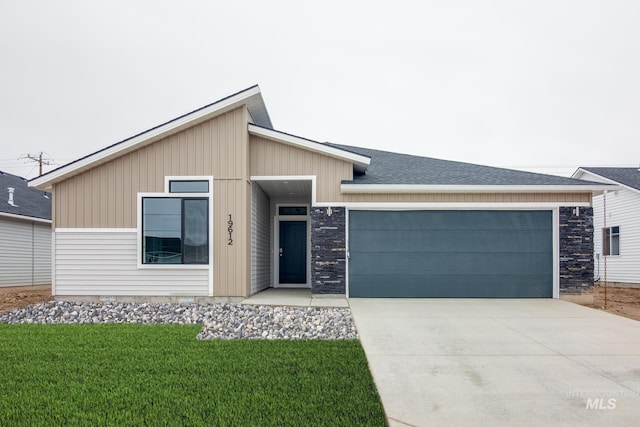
[(38, 158)]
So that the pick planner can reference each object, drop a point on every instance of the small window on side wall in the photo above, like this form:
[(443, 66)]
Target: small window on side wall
[(611, 241)]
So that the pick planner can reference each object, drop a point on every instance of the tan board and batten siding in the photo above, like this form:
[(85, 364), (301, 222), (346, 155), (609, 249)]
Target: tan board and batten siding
[(106, 195), (270, 158)]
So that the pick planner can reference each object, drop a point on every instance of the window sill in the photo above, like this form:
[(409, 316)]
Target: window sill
[(174, 266)]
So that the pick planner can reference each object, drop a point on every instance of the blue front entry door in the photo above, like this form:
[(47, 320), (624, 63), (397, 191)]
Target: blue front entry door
[(293, 252)]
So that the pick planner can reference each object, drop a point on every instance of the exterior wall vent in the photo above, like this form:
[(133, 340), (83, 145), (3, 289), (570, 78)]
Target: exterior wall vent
[(10, 201)]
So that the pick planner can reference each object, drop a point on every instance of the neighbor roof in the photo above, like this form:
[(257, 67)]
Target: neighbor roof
[(629, 177), (402, 169), (27, 202)]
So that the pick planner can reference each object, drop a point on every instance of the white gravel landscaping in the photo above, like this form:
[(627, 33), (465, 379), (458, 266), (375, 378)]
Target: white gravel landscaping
[(220, 321)]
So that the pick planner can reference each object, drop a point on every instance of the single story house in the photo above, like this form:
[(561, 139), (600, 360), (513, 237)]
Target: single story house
[(218, 204), (616, 224), (25, 233)]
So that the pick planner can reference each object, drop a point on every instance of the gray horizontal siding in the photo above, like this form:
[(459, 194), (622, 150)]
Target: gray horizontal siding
[(25, 253), (105, 263), (622, 211), (260, 228), (42, 254)]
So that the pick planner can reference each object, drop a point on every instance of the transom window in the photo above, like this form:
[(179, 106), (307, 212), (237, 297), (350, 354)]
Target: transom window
[(194, 186), (611, 241), (292, 210)]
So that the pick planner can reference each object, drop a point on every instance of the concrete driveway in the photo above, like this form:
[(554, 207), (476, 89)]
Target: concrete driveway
[(501, 362)]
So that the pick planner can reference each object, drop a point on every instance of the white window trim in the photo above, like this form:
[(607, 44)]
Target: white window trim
[(610, 235), (166, 194)]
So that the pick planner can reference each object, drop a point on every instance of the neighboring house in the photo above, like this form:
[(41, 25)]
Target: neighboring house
[(25, 233), (616, 223), (216, 203)]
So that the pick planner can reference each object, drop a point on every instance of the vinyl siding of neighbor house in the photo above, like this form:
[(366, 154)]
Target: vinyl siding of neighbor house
[(260, 232), (105, 196), (104, 263), (25, 253), (622, 211), (41, 254)]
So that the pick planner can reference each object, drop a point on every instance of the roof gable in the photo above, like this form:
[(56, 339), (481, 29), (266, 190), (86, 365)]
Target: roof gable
[(27, 202), (360, 161), (251, 97)]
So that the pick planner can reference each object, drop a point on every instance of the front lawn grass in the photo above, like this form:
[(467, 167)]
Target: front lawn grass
[(161, 375)]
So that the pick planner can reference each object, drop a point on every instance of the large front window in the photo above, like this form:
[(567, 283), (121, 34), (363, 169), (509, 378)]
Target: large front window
[(175, 230)]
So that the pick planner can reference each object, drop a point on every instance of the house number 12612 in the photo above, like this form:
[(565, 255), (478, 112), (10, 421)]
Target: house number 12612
[(230, 231)]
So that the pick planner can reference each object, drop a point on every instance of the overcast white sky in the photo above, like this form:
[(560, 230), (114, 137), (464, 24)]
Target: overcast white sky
[(542, 85)]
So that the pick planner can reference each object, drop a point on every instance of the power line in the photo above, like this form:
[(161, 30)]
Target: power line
[(38, 158)]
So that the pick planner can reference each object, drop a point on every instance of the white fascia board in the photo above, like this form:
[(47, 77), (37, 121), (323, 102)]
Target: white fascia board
[(415, 188), (584, 175), (45, 181), (282, 177), (472, 206), (581, 172), (96, 230), (25, 218), (578, 173), (306, 144)]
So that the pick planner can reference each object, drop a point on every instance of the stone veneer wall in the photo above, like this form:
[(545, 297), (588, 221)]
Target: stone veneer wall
[(328, 251), (576, 250)]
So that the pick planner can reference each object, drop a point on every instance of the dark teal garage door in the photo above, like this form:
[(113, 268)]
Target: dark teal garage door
[(451, 254)]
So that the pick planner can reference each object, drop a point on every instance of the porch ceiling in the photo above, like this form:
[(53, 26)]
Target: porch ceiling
[(282, 189)]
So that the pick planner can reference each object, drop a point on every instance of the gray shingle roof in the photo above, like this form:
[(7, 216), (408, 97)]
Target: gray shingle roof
[(394, 168), (28, 201), (625, 176)]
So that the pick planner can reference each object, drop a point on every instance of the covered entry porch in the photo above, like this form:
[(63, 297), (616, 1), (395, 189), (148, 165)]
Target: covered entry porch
[(280, 232), (294, 243)]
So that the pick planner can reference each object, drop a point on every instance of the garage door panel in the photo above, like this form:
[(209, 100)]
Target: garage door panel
[(451, 253), (451, 286), (470, 263), (450, 220), (438, 241)]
